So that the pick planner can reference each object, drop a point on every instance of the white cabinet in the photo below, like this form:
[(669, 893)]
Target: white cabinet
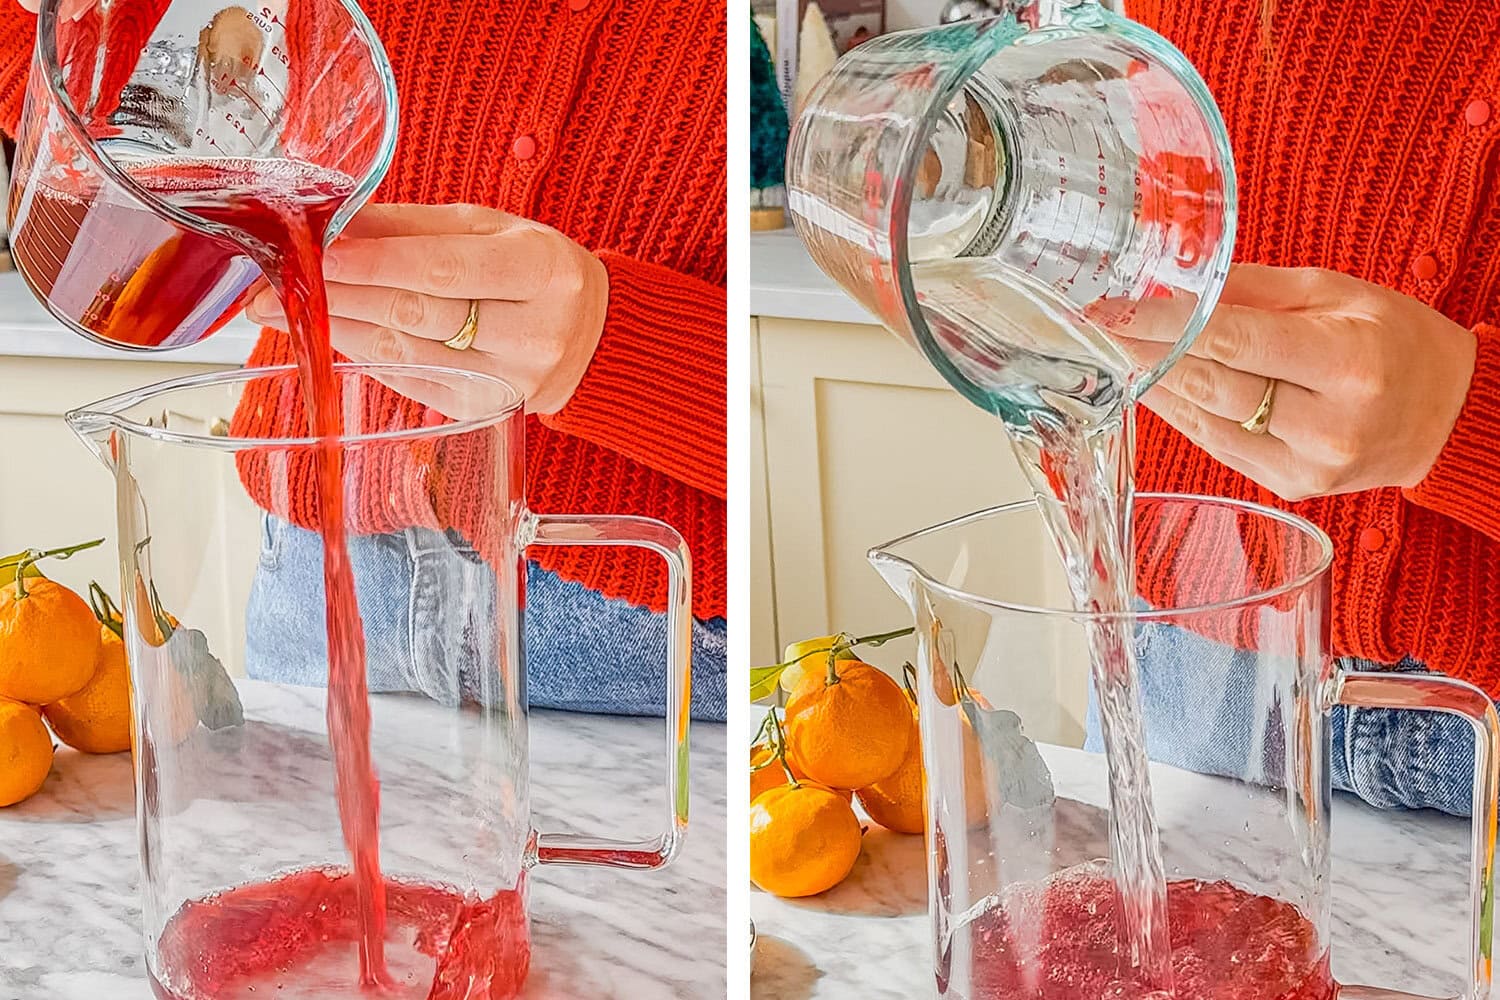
[(856, 442), (53, 491)]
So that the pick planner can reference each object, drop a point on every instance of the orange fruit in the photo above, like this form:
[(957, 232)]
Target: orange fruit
[(804, 839), (771, 775), (25, 752), (976, 797), (49, 641), (176, 718), (150, 628), (96, 719), (852, 733), (763, 779), (181, 716), (899, 800)]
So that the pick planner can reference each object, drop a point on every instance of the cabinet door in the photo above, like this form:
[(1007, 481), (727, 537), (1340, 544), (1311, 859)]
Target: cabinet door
[(864, 443), (55, 492), (763, 638)]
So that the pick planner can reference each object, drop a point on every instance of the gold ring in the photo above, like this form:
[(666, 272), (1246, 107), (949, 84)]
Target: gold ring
[(1260, 421), (464, 338)]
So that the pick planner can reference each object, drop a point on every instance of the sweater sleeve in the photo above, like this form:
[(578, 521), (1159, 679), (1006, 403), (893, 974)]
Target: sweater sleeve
[(655, 389), (1465, 480), (17, 38)]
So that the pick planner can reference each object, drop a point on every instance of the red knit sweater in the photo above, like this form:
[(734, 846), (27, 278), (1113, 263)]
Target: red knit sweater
[(624, 106), (1366, 138)]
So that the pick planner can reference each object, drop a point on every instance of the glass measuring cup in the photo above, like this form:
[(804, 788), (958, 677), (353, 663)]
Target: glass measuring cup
[(127, 101), (244, 867), (1232, 637), (1003, 193)]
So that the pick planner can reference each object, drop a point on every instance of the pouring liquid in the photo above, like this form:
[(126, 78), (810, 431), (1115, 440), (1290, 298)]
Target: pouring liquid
[(1061, 387), (311, 933)]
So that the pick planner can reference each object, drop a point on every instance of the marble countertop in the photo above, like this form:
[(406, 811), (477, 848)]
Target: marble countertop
[(1400, 901), (27, 330), (70, 917), (786, 284)]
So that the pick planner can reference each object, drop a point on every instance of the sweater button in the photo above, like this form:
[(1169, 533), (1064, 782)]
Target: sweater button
[(524, 148), (1371, 539), (1477, 113), (577, 6), (1425, 267)]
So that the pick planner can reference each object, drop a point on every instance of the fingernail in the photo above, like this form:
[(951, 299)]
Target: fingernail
[(332, 260)]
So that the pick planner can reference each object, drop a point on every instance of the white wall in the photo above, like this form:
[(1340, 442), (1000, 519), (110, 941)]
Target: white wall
[(901, 14)]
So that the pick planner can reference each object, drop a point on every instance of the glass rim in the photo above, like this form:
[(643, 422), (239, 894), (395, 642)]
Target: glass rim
[(109, 412), (364, 186), (990, 40), (882, 553)]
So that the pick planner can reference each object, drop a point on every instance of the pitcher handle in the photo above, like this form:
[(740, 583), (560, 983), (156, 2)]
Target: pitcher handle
[(1435, 693), (646, 533)]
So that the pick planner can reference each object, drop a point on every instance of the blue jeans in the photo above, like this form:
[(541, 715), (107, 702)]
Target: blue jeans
[(1199, 699), (428, 604)]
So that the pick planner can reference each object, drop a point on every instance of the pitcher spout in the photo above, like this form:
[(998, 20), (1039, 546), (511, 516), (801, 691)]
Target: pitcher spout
[(897, 573), (97, 430), (100, 424)]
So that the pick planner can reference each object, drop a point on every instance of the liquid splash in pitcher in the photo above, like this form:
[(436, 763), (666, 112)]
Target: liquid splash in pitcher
[(247, 943), (1225, 944)]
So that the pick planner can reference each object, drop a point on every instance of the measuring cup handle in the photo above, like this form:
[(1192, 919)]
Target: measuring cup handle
[(1434, 693), (641, 532)]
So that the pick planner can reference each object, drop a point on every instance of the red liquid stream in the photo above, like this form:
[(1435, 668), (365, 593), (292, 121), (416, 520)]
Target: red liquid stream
[(303, 930), (1059, 941), (283, 209)]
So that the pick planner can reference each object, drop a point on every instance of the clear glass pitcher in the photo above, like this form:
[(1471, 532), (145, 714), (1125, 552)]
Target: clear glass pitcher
[(1232, 639), (245, 882), (1003, 194), (126, 103)]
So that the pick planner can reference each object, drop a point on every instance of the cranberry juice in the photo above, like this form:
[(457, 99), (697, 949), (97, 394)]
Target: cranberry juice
[(1060, 941), (313, 925), (293, 938), (178, 287), (282, 208)]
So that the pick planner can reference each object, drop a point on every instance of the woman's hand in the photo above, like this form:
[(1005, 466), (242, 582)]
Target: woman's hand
[(402, 278), (1369, 381)]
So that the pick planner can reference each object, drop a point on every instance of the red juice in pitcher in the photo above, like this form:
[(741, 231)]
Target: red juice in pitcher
[(294, 937), (1059, 941)]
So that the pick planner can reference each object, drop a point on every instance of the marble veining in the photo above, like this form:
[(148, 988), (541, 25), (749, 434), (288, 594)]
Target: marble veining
[(70, 917), (1400, 906)]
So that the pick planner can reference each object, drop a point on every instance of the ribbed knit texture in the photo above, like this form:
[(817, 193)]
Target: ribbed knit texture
[(1360, 147), (625, 105)]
